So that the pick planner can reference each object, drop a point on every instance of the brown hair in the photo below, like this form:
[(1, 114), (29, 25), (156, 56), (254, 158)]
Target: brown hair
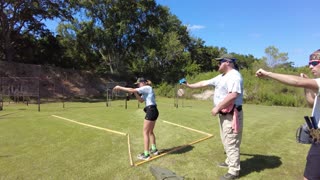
[(148, 82)]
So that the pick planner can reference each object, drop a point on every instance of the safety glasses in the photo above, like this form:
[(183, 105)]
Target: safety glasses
[(223, 60), (314, 62)]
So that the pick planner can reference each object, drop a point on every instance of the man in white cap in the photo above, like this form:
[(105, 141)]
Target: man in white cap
[(228, 98)]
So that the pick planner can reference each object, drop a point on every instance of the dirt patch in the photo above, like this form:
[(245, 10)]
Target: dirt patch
[(52, 81), (206, 95)]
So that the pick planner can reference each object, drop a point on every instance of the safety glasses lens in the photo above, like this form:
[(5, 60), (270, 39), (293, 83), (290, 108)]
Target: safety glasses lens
[(314, 63)]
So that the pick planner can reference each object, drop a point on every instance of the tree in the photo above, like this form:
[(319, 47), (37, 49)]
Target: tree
[(274, 57), (137, 37), (245, 61), (203, 55), (19, 18), (115, 30)]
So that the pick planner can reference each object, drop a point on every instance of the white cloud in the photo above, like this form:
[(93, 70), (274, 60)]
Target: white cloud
[(195, 27)]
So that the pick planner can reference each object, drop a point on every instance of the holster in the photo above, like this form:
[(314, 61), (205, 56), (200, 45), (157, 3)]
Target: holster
[(303, 135), (315, 134), (239, 108)]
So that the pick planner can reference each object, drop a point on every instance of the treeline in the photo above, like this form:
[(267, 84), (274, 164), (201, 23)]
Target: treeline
[(133, 38)]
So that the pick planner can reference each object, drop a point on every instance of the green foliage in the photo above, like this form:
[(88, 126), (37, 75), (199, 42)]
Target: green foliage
[(280, 99), (166, 90), (270, 92), (192, 68), (21, 19)]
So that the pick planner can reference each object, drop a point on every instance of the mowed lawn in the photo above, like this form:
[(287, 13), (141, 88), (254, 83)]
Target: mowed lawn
[(37, 145)]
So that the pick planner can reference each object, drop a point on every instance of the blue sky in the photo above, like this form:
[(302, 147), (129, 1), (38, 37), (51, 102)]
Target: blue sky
[(250, 26)]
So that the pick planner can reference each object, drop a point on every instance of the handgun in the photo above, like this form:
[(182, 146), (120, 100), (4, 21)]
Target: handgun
[(314, 123), (182, 81), (309, 122)]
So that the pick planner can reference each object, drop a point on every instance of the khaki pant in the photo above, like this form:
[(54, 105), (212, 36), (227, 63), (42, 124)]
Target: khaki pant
[(231, 141)]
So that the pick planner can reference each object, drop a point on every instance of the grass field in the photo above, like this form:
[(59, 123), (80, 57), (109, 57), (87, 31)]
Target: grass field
[(37, 145)]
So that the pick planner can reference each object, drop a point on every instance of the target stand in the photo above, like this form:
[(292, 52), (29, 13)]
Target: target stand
[(180, 96)]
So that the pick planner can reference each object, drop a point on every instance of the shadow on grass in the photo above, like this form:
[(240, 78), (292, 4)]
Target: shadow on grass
[(105, 106), (85, 100), (177, 149), (7, 114), (5, 156), (257, 163), (78, 107)]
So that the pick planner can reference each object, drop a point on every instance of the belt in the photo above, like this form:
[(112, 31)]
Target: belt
[(151, 106), (239, 108)]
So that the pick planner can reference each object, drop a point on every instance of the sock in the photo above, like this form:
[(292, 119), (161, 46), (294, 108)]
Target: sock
[(153, 147), (146, 153)]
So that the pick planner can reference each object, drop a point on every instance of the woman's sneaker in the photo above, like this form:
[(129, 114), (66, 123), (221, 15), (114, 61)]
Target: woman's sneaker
[(142, 156), (154, 152)]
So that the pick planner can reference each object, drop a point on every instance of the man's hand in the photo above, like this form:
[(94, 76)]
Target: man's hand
[(186, 84), (116, 89), (214, 111), (303, 75), (262, 73)]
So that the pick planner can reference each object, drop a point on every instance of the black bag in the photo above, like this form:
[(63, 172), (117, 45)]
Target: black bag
[(303, 135)]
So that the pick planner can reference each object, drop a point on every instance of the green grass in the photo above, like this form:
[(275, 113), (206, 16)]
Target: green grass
[(36, 145)]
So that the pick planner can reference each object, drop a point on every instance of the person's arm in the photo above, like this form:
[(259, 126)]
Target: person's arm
[(310, 96), (138, 97), (129, 90), (230, 98), (199, 84), (125, 89), (290, 80), (308, 93)]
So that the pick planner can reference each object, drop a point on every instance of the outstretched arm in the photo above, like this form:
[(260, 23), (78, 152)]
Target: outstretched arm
[(129, 90), (290, 80), (125, 89), (199, 84)]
